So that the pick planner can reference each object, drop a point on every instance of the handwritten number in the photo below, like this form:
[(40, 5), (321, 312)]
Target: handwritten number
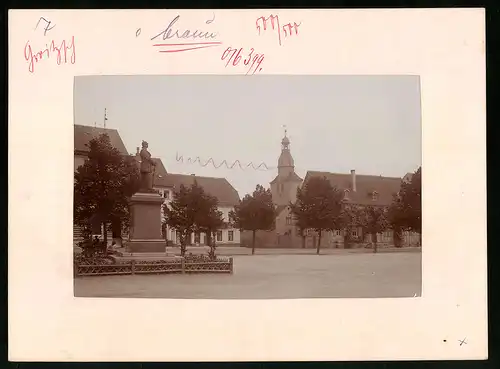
[(138, 32), (225, 53), (47, 27), (237, 58), (233, 56), (246, 61)]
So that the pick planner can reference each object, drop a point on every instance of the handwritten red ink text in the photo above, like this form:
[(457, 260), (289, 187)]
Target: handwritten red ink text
[(234, 57), (62, 53), (273, 21), (178, 40)]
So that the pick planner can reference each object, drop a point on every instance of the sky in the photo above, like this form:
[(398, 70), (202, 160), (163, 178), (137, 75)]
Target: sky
[(371, 124)]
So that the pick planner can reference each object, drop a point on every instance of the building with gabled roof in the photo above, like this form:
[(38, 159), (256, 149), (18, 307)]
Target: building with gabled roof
[(358, 190), (165, 183)]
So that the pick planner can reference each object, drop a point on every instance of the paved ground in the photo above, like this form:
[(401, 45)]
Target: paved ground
[(276, 276)]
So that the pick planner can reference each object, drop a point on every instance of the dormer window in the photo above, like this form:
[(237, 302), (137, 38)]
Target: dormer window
[(346, 194)]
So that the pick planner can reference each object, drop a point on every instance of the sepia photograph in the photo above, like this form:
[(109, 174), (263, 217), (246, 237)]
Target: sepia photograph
[(227, 187)]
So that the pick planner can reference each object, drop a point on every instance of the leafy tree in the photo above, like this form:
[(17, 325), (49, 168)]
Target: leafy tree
[(103, 186), (193, 210), (209, 220), (350, 218), (255, 212), (180, 214), (405, 212), (318, 206), (395, 217), (373, 221)]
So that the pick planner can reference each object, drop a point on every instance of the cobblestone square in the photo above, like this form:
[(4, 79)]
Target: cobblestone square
[(280, 276)]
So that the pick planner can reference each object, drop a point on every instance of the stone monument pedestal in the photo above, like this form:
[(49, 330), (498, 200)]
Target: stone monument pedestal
[(145, 223)]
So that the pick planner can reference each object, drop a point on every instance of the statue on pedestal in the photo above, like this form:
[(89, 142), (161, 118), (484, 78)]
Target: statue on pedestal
[(147, 169)]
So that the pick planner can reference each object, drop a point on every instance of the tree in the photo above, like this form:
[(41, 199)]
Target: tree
[(374, 221), (255, 212), (180, 214), (350, 218), (405, 212), (318, 206), (395, 218), (208, 219), (193, 210), (103, 186)]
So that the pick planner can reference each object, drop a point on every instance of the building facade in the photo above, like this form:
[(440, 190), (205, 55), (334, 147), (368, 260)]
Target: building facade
[(357, 190)]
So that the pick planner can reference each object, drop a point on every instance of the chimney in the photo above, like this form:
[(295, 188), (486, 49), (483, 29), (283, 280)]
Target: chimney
[(353, 180), (137, 152)]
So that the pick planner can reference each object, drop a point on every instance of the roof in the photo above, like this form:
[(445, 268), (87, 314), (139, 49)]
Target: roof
[(217, 187), (160, 168), (386, 187), (291, 177), (83, 134)]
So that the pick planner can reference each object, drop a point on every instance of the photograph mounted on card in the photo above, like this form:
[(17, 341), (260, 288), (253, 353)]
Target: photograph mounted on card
[(246, 164)]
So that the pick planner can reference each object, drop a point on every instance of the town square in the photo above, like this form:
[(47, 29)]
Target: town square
[(142, 230)]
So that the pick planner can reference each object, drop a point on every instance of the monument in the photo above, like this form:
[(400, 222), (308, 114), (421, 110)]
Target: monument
[(145, 210)]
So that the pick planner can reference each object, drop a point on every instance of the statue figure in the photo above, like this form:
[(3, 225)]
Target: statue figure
[(147, 168)]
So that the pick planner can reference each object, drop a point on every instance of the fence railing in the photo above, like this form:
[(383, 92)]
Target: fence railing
[(154, 267)]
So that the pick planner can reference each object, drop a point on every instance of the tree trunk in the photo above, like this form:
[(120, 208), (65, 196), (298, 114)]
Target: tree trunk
[(253, 242), (319, 242), (397, 238), (105, 237), (374, 239), (303, 241), (183, 244), (211, 244)]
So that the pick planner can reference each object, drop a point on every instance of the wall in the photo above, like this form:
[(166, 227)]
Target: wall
[(285, 195), (79, 160)]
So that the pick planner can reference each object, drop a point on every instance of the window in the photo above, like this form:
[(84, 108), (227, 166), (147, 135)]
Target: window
[(336, 232), (289, 220), (374, 196), (354, 233), (299, 233), (197, 237), (219, 235), (309, 232), (230, 236)]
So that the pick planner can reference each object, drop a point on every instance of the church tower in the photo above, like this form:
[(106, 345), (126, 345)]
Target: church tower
[(284, 186)]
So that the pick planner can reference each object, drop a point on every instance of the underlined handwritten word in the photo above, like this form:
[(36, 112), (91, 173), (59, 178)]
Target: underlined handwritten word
[(63, 52), (47, 25), (179, 38), (288, 30), (250, 58)]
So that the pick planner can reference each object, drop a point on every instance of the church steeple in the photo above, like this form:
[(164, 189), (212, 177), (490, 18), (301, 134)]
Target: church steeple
[(285, 161), (284, 186)]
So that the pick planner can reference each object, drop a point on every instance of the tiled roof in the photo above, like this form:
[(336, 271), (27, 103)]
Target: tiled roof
[(291, 177), (83, 134), (385, 187), (218, 187)]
